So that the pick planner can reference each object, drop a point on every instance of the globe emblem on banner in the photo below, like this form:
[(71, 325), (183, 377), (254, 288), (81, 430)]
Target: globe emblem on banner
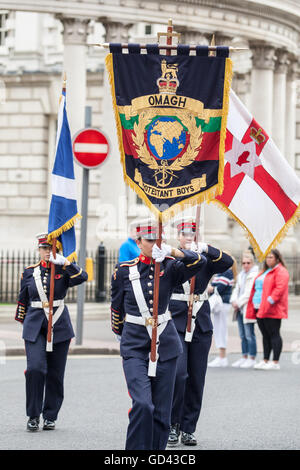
[(166, 137)]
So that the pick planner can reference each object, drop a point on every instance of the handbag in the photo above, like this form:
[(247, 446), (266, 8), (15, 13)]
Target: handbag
[(215, 302)]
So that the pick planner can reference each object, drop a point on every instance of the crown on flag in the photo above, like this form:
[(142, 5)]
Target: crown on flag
[(257, 135), (168, 82)]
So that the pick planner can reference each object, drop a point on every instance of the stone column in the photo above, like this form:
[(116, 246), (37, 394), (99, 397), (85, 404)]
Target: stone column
[(114, 195), (262, 80), (222, 39), (74, 64), (188, 36), (116, 31), (241, 85), (290, 112), (74, 37), (279, 99)]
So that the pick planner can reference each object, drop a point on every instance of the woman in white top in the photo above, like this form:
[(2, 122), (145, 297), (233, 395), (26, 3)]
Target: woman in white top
[(239, 301)]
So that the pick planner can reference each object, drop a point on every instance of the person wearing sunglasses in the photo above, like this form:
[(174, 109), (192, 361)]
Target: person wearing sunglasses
[(239, 301)]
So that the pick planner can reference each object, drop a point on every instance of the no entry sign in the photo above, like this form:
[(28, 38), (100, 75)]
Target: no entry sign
[(90, 147)]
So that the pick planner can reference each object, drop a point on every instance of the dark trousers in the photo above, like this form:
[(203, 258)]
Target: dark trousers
[(149, 417), (270, 330), (45, 377), (190, 379)]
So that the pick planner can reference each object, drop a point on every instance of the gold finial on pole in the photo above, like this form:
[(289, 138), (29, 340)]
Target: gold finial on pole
[(64, 81), (212, 44)]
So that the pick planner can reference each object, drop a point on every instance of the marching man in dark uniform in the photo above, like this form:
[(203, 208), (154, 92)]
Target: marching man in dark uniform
[(131, 316), (45, 370), (192, 364)]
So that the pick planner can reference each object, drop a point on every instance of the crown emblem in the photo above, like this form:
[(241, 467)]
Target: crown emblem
[(257, 135), (168, 82)]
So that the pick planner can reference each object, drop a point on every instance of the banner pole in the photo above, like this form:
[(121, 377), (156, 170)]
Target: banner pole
[(157, 265), (51, 298), (193, 280)]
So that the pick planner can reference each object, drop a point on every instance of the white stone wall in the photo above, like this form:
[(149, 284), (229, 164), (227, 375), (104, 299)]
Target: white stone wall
[(31, 64), (25, 162)]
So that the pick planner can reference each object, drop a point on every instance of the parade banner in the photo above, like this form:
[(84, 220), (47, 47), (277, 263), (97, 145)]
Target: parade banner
[(171, 114), (261, 190), (63, 209)]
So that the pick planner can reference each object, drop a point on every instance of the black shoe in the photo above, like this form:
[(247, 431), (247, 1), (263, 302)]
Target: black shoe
[(48, 425), (174, 435), (188, 439), (33, 424)]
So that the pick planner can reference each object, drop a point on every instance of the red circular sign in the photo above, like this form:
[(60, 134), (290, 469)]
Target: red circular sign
[(90, 147)]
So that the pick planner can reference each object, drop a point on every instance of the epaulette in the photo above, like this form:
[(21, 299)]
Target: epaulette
[(33, 265), (132, 262)]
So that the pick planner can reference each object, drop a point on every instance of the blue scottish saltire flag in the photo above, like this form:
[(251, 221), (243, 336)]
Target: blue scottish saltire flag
[(171, 114), (63, 209)]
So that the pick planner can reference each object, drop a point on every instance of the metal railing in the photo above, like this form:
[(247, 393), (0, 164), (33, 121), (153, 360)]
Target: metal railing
[(13, 263)]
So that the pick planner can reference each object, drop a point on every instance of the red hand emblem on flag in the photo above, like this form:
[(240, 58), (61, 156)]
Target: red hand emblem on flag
[(242, 157)]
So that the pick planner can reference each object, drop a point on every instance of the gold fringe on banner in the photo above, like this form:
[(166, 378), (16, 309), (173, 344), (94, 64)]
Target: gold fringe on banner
[(64, 228), (226, 94), (207, 195), (278, 239)]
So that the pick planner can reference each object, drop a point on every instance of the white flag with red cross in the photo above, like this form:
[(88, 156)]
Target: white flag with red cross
[(261, 190)]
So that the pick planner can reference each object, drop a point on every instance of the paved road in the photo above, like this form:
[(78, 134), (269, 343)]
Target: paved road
[(242, 409)]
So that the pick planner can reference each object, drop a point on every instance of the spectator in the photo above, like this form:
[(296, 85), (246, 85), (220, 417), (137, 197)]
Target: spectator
[(239, 301), (129, 249), (223, 283), (268, 303)]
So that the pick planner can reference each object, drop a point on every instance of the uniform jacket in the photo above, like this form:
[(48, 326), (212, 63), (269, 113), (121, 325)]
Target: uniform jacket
[(242, 299), (135, 340), (216, 262), (224, 281), (32, 317), (275, 286)]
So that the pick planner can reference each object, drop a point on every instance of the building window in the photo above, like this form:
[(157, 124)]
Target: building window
[(297, 162), (148, 29), (3, 29)]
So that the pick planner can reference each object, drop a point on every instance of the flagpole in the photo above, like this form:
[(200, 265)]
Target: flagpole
[(193, 280), (51, 298), (49, 345), (212, 48), (198, 216), (153, 357), (169, 48)]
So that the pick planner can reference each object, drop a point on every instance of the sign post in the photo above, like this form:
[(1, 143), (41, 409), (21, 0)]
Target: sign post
[(90, 149)]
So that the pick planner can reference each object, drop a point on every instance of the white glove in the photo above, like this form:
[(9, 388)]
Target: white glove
[(60, 260), (200, 248), (159, 254), (118, 338)]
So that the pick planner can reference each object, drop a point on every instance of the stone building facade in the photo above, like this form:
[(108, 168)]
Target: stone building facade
[(37, 45)]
